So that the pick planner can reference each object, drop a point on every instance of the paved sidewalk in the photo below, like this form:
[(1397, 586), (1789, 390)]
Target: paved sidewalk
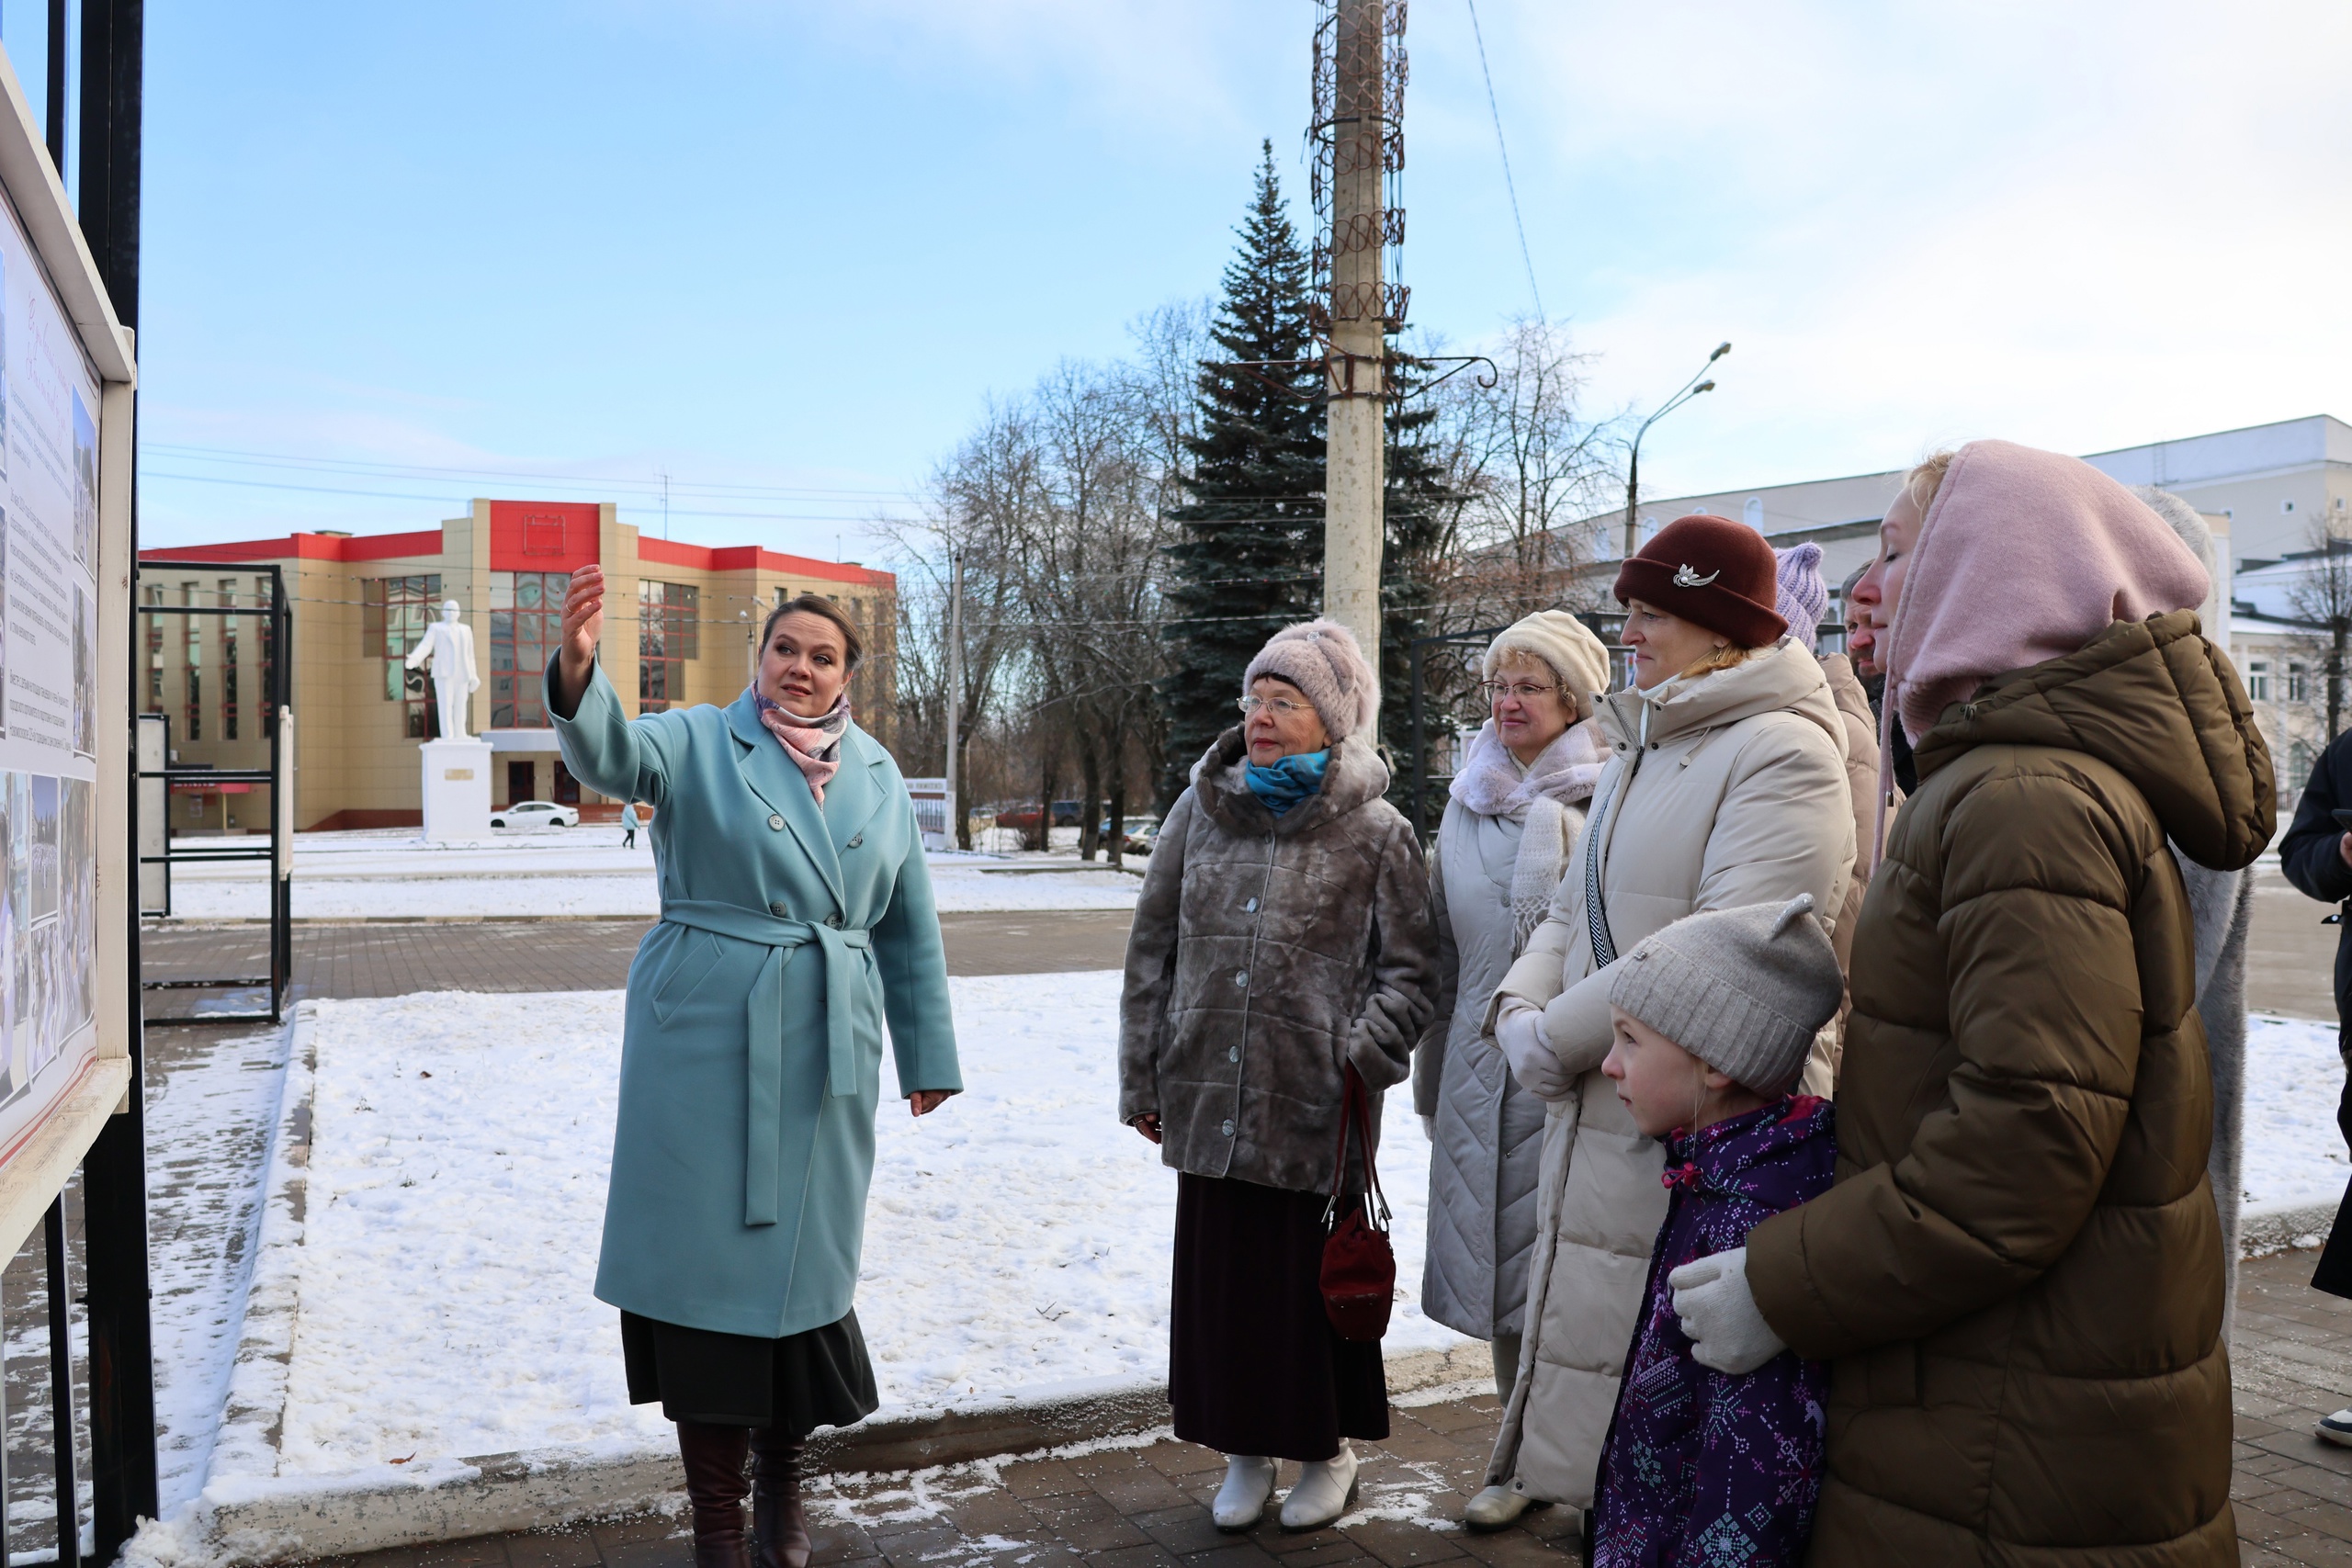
[(1141, 1506), (394, 959), (1146, 1507)]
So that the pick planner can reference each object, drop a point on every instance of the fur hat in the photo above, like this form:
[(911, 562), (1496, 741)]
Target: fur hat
[(1803, 596), (2194, 531), (1713, 572), (1745, 990), (1564, 644), (1323, 660)]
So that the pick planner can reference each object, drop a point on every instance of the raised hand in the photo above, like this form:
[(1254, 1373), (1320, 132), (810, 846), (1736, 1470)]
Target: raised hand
[(583, 623)]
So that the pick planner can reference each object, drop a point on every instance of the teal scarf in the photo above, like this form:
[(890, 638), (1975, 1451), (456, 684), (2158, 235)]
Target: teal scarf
[(1289, 781)]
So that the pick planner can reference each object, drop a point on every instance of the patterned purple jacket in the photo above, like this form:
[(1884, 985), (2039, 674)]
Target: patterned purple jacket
[(1704, 1470)]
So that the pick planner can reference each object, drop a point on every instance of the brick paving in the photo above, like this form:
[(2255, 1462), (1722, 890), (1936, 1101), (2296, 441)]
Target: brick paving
[(394, 958), (1146, 1507)]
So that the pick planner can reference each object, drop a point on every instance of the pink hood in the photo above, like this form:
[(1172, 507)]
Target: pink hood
[(2025, 555)]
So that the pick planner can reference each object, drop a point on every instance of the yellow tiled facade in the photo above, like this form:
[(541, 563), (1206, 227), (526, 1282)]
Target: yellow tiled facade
[(680, 624)]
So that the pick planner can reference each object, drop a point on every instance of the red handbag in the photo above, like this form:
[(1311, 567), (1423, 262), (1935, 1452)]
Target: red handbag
[(1359, 1266)]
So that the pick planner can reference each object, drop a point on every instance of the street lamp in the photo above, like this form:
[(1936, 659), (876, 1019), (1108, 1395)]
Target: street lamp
[(1691, 389)]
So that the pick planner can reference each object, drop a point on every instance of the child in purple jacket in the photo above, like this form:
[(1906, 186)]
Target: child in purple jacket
[(1714, 1015)]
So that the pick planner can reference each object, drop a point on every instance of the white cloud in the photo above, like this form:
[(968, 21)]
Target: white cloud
[(2084, 226)]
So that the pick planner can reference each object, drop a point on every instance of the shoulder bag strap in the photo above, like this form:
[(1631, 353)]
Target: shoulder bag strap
[(1356, 1114), (1596, 917)]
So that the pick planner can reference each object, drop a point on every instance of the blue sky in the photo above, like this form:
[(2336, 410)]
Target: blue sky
[(785, 250)]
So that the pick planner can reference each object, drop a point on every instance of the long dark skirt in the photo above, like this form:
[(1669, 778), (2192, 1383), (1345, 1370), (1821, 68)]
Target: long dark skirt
[(816, 1377), (1253, 1365)]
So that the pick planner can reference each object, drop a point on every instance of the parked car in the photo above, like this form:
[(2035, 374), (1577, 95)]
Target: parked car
[(1025, 820), (536, 814)]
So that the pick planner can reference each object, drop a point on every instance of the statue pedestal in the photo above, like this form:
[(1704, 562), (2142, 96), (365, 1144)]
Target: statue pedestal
[(456, 789)]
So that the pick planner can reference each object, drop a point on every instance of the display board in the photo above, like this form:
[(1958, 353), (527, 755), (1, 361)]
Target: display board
[(49, 696)]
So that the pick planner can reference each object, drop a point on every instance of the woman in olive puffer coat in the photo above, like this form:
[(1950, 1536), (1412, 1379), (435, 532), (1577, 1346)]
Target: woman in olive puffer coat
[(2017, 1276)]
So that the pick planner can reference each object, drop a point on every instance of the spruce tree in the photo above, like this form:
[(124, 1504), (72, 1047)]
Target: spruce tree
[(1249, 560), (1418, 507)]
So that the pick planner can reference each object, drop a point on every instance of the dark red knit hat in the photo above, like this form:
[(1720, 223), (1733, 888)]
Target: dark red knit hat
[(1713, 572)]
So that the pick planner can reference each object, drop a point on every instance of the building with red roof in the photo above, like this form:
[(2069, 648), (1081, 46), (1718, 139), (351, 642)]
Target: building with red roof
[(680, 624)]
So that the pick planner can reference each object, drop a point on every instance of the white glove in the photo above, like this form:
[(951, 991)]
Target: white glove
[(1520, 1032), (1719, 1313)]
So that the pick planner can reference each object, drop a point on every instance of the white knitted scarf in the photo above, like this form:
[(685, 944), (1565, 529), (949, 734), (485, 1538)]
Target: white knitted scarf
[(1492, 784)]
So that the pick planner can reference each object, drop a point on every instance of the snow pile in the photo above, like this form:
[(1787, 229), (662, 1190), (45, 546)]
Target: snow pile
[(1016, 1240), (209, 1125), (2294, 1155)]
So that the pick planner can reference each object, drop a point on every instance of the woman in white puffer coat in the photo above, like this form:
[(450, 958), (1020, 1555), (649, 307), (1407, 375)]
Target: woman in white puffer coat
[(1726, 786), (1511, 826)]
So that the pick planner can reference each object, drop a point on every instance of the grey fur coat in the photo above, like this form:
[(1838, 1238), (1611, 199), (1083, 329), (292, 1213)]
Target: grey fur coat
[(1268, 954), (2221, 903)]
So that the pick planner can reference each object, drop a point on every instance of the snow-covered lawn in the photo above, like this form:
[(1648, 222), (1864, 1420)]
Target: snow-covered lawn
[(1016, 1240), (2294, 1155), (576, 871)]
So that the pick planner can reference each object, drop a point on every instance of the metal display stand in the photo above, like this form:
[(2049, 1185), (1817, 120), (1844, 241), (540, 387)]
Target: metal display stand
[(279, 851)]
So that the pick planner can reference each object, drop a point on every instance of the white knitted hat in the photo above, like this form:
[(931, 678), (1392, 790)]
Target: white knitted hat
[(1323, 660), (1744, 990), (1565, 645)]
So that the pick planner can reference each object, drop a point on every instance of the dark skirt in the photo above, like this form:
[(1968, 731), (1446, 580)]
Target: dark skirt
[(1254, 1367), (819, 1377)]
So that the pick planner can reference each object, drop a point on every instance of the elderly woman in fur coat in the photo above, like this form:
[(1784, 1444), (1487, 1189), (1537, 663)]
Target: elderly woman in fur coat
[(1518, 804), (1283, 940)]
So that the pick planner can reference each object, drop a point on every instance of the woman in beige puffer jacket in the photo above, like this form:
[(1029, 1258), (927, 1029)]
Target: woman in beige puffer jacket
[(1726, 786)]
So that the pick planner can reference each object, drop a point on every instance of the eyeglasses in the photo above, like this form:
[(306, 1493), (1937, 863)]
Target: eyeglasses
[(1283, 708), (1526, 691)]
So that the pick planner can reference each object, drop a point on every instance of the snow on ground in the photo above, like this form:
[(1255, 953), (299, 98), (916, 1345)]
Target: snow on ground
[(209, 1120), (577, 871), (2294, 1155), (1017, 1239)]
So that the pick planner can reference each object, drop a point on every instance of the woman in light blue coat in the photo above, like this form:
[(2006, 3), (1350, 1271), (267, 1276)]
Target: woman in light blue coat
[(796, 916)]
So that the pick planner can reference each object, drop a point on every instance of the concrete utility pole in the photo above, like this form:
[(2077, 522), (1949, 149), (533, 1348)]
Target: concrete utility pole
[(1355, 461), (955, 693)]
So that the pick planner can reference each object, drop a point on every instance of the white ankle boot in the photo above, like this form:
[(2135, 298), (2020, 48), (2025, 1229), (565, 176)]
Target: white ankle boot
[(1496, 1508), (1241, 1501), (1324, 1491)]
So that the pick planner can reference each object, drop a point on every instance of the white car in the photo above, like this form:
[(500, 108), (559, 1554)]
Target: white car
[(536, 814)]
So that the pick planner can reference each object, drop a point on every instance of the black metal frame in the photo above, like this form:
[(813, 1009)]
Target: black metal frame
[(114, 1172), (280, 699)]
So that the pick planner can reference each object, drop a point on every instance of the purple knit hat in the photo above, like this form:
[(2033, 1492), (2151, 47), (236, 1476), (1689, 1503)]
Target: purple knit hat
[(1803, 597)]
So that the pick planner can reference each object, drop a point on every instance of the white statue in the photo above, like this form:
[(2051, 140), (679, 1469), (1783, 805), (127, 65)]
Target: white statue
[(448, 647)]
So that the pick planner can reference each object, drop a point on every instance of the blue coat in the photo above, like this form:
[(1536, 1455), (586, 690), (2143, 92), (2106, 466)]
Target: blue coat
[(751, 1055)]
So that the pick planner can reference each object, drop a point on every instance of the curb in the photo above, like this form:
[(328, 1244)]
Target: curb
[(240, 1520), (2262, 1232)]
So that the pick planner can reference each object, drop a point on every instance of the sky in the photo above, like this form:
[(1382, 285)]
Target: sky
[(784, 253)]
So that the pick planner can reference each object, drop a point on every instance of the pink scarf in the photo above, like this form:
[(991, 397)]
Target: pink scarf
[(814, 744)]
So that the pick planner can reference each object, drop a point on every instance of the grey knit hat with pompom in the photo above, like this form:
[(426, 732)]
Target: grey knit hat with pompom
[(1745, 990)]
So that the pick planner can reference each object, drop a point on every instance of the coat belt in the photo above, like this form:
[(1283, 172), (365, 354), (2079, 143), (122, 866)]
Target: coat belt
[(764, 1146)]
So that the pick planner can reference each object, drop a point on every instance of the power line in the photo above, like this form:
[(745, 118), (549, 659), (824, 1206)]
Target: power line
[(448, 501), (651, 487), (1508, 185)]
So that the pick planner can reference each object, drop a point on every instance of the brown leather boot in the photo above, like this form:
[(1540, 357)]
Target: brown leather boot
[(779, 1521), (715, 1485)]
